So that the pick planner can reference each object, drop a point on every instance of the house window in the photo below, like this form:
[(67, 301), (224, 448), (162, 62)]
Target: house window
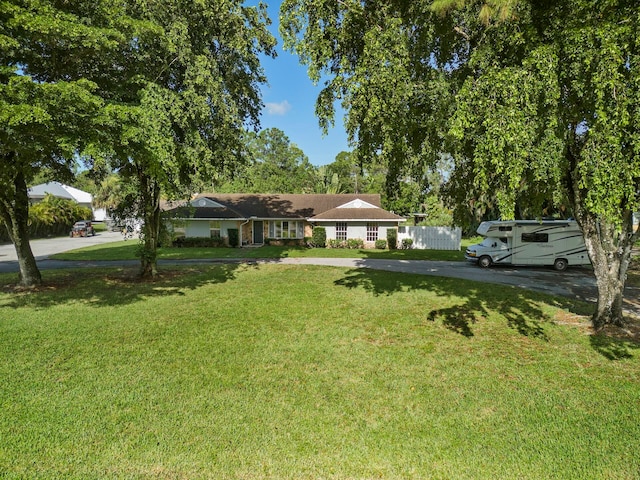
[(214, 228), (341, 230), (286, 229), (535, 237), (372, 232)]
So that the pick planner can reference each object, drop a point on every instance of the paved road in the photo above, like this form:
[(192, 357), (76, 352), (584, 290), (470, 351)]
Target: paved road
[(573, 283), (44, 247)]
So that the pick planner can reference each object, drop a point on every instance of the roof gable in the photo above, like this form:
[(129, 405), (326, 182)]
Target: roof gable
[(204, 202), (374, 214), (357, 203), (79, 196)]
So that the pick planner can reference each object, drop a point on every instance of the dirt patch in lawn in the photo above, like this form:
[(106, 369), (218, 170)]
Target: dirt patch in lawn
[(629, 333)]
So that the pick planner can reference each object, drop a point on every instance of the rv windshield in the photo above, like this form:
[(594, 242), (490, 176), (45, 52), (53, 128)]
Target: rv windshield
[(494, 242)]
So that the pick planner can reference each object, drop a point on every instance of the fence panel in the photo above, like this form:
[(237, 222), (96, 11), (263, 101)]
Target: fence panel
[(433, 238)]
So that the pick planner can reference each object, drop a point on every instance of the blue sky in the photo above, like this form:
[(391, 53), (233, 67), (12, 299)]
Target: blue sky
[(290, 104)]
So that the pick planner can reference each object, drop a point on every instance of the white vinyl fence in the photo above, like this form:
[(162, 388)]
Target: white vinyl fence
[(434, 238)]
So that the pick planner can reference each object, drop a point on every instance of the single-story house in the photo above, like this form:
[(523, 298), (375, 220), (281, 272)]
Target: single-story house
[(285, 217), (60, 190)]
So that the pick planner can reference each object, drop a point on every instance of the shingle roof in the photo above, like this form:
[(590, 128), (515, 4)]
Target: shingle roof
[(275, 206), (372, 214)]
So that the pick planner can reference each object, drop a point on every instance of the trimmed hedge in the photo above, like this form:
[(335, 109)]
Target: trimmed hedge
[(392, 238), (285, 242), (319, 237), (234, 237), (198, 242), (381, 244), (350, 243)]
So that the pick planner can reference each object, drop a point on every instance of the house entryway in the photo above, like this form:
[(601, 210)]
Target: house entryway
[(258, 232)]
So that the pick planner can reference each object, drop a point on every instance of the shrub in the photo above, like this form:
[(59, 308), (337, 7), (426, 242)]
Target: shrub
[(381, 244), (205, 242), (355, 243), (319, 237), (351, 243), (55, 216), (407, 243), (166, 234), (234, 237), (392, 238), (284, 242)]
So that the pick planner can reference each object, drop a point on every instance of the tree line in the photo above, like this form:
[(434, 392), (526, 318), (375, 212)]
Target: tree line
[(274, 164)]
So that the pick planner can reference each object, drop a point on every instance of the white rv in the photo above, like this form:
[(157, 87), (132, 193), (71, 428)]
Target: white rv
[(530, 242)]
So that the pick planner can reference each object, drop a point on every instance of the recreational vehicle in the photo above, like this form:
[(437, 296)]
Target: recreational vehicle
[(557, 243)]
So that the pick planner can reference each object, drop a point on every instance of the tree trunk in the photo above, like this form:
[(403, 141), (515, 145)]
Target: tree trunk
[(608, 245), (14, 210), (151, 229), (610, 253)]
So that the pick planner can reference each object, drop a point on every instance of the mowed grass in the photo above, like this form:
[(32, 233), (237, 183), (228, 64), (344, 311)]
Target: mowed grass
[(271, 371), (127, 250)]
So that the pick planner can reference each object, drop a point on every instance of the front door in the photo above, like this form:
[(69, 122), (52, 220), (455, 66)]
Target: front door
[(258, 232)]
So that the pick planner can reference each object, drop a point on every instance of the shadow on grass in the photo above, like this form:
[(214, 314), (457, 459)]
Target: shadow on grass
[(618, 343), (521, 309), (115, 286)]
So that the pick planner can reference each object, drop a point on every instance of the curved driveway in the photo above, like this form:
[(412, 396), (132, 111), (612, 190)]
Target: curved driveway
[(574, 283)]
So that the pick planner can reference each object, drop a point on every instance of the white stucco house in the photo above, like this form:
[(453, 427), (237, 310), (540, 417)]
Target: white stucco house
[(59, 190), (286, 217)]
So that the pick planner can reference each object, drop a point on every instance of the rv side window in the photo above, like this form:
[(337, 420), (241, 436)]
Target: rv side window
[(504, 240), (535, 237), (505, 229)]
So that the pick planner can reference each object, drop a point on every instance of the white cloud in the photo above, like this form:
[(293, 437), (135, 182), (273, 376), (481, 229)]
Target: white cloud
[(278, 108)]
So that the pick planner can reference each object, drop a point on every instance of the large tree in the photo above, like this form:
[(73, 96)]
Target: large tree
[(40, 127), (178, 82), (537, 102), (43, 117), (189, 86)]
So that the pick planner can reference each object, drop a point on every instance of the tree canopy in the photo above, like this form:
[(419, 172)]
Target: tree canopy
[(173, 85), (538, 104), (190, 75), (44, 111), (274, 165)]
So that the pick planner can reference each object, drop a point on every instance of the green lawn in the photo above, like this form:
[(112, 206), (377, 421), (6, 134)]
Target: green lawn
[(126, 250), (271, 371)]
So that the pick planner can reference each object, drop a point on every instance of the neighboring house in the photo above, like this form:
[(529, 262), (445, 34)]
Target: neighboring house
[(259, 217), (59, 190)]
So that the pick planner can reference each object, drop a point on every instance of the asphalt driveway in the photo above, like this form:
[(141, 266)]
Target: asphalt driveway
[(43, 247)]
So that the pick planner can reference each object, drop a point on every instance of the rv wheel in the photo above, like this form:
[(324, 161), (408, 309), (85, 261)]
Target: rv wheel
[(560, 264), (484, 261)]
